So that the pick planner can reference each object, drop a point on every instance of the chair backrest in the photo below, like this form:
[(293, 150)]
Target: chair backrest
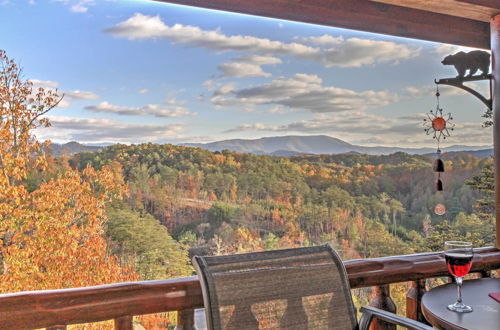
[(302, 288)]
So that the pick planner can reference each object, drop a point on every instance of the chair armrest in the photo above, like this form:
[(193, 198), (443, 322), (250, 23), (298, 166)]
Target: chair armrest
[(369, 313)]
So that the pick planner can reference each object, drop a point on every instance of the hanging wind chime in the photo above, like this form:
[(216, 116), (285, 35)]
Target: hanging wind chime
[(439, 127)]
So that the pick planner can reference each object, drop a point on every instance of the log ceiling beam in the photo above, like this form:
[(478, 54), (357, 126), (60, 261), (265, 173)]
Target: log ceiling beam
[(448, 7), (363, 15), (485, 3)]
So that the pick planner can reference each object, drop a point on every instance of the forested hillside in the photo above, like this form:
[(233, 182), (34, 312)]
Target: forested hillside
[(365, 206), (124, 213)]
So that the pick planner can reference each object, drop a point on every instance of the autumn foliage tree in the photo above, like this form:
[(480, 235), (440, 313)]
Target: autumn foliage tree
[(51, 236)]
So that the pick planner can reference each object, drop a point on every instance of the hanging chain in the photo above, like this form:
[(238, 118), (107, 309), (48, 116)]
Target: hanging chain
[(437, 97), (438, 111)]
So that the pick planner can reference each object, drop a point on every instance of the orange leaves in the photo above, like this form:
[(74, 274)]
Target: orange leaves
[(60, 244), (237, 240), (276, 217), (293, 236), (51, 236), (218, 159), (21, 113)]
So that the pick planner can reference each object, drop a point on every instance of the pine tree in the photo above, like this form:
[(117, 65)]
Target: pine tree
[(485, 183)]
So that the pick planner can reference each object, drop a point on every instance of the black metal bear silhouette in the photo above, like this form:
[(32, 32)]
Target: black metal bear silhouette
[(473, 61)]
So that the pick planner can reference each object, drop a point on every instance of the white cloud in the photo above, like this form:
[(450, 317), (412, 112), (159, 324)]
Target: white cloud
[(79, 8), (63, 104), (369, 129), (447, 49), (68, 95), (345, 123), (210, 84), (106, 130), (174, 101), (279, 109), (258, 59), (356, 52), (150, 109), (255, 127), (44, 83), (247, 66), (141, 26), (80, 95), (240, 70), (353, 52), (75, 6), (324, 40), (417, 92), (143, 91), (225, 89), (471, 133), (301, 92)]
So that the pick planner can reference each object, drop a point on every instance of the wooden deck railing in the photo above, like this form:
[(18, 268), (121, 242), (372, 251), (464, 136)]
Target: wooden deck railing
[(57, 308)]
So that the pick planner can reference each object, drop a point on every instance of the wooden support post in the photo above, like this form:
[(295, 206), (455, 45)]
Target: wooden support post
[(414, 299), (185, 319), (485, 274), (382, 299), (124, 323), (495, 95)]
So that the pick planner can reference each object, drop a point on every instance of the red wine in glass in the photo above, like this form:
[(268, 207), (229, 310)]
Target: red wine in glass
[(458, 264), (458, 256)]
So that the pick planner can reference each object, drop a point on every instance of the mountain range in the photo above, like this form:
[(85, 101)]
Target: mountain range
[(322, 144), (288, 146)]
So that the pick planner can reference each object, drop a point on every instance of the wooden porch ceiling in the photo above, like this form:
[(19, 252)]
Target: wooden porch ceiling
[(459, 22), (460, 8)]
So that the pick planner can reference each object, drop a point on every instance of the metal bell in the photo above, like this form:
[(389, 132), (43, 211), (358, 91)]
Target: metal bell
[(438, 165), (439, 185)]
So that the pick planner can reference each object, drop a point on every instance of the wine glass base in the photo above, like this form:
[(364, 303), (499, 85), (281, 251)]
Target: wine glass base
[(460, 308)]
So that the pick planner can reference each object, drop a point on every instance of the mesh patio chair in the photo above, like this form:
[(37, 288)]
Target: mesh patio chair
[(303, 288)]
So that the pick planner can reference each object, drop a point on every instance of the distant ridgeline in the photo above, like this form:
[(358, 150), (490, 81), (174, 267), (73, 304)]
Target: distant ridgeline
[(365, 205), (321, 144), (288, 146), (70, 148)]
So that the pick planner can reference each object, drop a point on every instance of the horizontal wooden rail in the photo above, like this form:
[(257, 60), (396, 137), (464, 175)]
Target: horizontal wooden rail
[(40, 309), (411, 267)]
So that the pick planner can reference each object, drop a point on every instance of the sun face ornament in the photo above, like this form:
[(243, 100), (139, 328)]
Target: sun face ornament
[(440, 209), (437, 124)]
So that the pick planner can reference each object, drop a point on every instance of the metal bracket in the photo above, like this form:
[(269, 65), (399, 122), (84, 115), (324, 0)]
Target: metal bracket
[(459, 82)]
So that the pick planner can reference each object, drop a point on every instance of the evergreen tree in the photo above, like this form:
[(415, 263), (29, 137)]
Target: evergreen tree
[(142, 240), (484, 182)]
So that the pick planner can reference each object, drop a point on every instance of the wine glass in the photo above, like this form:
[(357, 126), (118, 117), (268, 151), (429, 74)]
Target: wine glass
[(458, 257)]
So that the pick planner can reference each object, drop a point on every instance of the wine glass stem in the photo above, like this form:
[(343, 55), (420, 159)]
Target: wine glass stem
[(459, 281)]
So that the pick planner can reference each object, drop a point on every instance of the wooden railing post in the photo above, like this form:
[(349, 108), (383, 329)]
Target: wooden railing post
[(413, 299), (495, 96), (124, 323), (485, 273), (185, 319), (382, 299)]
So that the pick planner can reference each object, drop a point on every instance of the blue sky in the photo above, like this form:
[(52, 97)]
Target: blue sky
[(143, 71)]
